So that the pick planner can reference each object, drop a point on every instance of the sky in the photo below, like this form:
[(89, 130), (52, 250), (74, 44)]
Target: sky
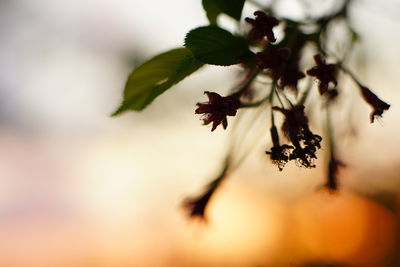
[(79, 188)]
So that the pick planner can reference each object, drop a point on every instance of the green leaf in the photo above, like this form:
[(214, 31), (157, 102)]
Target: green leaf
[(155, 76), (212, 10), (216, 46), (232, 8)]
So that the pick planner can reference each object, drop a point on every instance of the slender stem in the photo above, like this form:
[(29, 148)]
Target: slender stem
[(286, 98), (350, 73), (255, 104), (271, 100), (303, 98), (278, 97), (244, 136), (332, 166), (329, 129), (248, 82), (246, 152), (237, 141), (272, 118), (273, 130), (264, 83)]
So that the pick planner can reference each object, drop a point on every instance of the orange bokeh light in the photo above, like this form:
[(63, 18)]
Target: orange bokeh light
[(344, 228)]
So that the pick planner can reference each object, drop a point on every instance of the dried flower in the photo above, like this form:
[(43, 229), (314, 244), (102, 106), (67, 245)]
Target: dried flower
[(196, 206), (325, 73), (280, 155), (217, 109), (262, 26), (304, 156), (274, 60), (373, 100), (305, 143), (310, 139)]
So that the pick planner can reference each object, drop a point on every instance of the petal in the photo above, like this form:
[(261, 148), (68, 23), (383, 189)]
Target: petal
[(212, 96), (225, 123)]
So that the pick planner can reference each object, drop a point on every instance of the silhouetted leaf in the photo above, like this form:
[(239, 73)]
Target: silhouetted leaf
[(155, 76), (212, 10), (216, 46), (232, 8)]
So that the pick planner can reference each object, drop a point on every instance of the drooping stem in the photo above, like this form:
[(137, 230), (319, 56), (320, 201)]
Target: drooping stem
[(333, 162), (253, 74), (306, 92)]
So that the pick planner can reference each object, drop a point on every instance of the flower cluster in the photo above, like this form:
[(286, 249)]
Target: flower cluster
[(282, 67), (273, 67), (304, 142), (278, 77), (281, 63)]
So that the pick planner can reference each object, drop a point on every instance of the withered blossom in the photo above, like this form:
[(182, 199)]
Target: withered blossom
[(325, 73), (280, 155), (310, 139), (262, 26), (196, 206), (373, 100), (305, 143), (304, 156), (274, 60), (217, 109)]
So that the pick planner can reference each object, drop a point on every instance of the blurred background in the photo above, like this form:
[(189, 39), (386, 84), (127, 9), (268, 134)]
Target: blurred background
[(79, 188)]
